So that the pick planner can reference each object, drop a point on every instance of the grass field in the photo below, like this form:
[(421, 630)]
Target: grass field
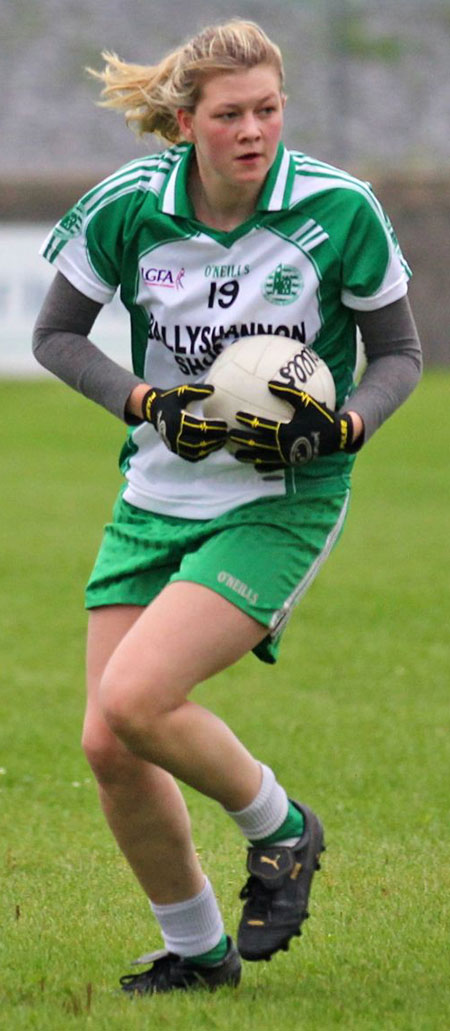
[(354, 720)]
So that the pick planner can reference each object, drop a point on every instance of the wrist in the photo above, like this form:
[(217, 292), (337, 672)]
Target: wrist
[(134, 405), (357, 426), (356, 432)]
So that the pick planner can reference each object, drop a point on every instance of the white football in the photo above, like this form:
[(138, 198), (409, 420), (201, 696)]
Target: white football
[(241, 372)]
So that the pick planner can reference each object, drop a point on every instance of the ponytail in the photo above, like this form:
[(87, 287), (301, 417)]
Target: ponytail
[(151, 95)]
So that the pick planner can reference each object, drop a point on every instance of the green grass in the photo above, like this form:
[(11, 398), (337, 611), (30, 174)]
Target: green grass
[(354, 719)]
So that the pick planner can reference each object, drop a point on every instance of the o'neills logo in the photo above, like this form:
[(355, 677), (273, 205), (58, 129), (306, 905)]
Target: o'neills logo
[(236, 585), (163, 277)]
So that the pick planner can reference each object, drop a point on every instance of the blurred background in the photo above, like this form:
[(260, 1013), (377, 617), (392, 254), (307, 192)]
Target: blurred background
[(369, 90)]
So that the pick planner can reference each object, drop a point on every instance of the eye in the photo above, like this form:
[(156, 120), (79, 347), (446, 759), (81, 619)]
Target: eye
[(227, 116)]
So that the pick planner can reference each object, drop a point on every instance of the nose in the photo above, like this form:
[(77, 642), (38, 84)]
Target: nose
[(249, 127)]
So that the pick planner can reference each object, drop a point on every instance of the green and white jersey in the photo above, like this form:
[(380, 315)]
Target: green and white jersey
[(317, 246)]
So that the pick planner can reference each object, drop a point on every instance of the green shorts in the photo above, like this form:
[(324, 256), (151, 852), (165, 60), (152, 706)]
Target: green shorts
[(261, 556)]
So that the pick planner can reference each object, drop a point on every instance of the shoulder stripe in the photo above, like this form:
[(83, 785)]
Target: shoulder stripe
[(57, 240), (306, 166), (316, 180), (140, 178), (147, 174), (143, 168), (313, 177), (309, 235)]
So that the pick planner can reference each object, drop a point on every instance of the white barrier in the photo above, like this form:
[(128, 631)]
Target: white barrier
[(24, 279)]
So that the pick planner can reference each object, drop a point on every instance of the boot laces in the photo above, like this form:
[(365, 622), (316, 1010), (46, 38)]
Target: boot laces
[(259, 898), (157, 977)]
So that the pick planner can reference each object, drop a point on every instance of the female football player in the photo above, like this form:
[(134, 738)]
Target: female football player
[(207, 552)]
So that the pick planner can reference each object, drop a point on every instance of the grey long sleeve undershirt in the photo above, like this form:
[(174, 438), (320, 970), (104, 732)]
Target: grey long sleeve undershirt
[(394, 363), (61, 344)]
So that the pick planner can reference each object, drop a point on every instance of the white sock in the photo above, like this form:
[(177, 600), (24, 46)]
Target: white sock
[(191, 927), (267, 811)]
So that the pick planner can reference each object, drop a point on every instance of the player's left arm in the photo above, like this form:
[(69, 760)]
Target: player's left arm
[(394, 364)]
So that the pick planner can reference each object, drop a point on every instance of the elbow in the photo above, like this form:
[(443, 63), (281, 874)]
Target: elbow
[(415, 363), (37, 341), (413, 370), (41, 346)]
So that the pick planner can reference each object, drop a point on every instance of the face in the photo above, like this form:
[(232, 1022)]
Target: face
[(236, 126)]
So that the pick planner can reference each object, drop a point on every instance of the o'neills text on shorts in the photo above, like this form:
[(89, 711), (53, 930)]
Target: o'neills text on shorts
[(236, 585)]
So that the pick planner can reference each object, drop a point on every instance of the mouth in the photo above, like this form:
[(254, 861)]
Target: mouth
[(249, 157)]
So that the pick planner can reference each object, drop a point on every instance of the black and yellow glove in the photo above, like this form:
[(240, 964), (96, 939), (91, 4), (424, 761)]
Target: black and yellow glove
[(188, 436), (314, 430)]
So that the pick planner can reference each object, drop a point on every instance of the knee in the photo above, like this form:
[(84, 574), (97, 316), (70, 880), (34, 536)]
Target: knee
[(108, 758), (131, 710)]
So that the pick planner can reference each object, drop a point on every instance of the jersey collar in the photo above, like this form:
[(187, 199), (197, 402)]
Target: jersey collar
[(174, 199), (275, 194)]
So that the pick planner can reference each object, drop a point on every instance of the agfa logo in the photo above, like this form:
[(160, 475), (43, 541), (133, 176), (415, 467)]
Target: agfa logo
[(283, 285), (163, 277)]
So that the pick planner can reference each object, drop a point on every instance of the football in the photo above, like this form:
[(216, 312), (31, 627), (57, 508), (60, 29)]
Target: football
[(241, 372)]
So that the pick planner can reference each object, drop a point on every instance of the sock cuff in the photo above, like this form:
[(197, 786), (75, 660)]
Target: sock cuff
[(266, 812), (192, 926), (180, 907)]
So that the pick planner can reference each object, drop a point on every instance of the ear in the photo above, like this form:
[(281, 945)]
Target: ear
[(185, 119)]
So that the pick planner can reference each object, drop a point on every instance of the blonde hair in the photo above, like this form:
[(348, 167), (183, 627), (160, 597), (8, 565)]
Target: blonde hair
[(151, 95)]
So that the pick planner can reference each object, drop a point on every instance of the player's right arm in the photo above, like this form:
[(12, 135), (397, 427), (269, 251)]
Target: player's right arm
[(61, 344)]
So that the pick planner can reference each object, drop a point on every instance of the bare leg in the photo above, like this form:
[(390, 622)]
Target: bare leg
[(185, 636), (142, 804)]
